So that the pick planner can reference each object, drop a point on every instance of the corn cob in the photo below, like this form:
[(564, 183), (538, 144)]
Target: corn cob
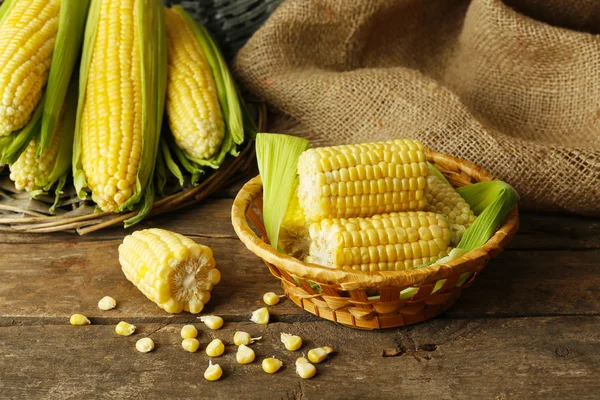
[(120, 107), (387, 242), (193, 107), (27, 36), (362, 180), (29, 173), (170, 269), (442, 198)]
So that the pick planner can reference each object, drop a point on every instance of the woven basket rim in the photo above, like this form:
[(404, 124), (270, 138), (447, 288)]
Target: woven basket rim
[(350, 280)]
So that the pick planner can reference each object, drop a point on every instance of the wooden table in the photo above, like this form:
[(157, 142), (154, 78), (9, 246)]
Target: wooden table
[(529, 327)]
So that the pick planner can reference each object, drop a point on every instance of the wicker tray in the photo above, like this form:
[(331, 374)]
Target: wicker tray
[(346, 297)]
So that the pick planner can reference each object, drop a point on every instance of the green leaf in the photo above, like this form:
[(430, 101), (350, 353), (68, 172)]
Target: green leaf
[(434, 171), (4, 8), (277, 157), (67, 47)]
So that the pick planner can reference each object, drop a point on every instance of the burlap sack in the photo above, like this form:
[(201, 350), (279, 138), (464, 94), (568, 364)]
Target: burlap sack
[(476, 79)]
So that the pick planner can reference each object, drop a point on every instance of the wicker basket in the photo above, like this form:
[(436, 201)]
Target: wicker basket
[(372, 300)]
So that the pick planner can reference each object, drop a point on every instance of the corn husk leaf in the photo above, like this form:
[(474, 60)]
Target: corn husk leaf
[(150, 21), (67, 47), (434, 171), (277, 157), (4, 8)]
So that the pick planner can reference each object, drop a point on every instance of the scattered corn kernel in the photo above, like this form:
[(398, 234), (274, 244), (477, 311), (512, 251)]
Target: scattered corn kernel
[(144, 345), (107, 303), (245, 355), (260, 316), (240, 338), (190, 344), (271, 365), (79, 319), (305, 369), (212, 321), (213, 372), (188, 332), (124, 329), (291, 342), (319, 354), (215, 348), (271, 298)]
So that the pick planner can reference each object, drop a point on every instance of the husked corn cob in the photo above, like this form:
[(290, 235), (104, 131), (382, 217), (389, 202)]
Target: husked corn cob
[(27, 37), (362, 180), (170, 269), (442, 198), (193, 107), (387, 242), (29, 173)]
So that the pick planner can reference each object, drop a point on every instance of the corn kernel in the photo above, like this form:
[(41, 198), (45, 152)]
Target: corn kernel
[(271, 365), (271, 298), (124, 329), (213, 372), (319, 354), (291, 342), (212, 321), (79, 319), (260, 316), (245, 355), (190, 344), (240, 338), (305, 369), (144, 345), (215, 348), (107, 303), (189, 332)]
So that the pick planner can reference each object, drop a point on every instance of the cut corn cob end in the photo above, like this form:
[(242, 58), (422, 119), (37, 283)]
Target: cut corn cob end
[(387, 242), (170, 269)]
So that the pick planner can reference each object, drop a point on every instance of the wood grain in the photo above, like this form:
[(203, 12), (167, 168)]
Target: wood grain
[(533, 358)]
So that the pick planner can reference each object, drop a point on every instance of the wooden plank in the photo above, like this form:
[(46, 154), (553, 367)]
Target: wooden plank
[(532, 358), (54, 280)]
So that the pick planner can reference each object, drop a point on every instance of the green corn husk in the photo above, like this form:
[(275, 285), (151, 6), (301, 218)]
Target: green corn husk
[(69, 37), (434, 171), (277, 157), (238, 123), (153, 74), (4, 7)]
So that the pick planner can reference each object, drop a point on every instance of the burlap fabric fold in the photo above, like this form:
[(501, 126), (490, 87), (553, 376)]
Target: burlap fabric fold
[(516, 92)]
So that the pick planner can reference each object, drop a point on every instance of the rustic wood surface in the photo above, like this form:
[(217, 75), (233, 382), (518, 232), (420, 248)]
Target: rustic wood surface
[(529, 327)]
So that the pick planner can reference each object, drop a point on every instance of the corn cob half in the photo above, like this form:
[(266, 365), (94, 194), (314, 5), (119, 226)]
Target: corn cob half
[(28, 31), (387, 242), (170, 269), (193, 108), (362, 180), (122, 88)]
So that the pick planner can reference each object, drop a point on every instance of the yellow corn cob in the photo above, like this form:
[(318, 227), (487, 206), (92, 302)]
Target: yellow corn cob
[(170, 269), (112, 111), (193, 107), (27, 36), (29, 173), (442, 198), (387, 242), (362, 180)]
